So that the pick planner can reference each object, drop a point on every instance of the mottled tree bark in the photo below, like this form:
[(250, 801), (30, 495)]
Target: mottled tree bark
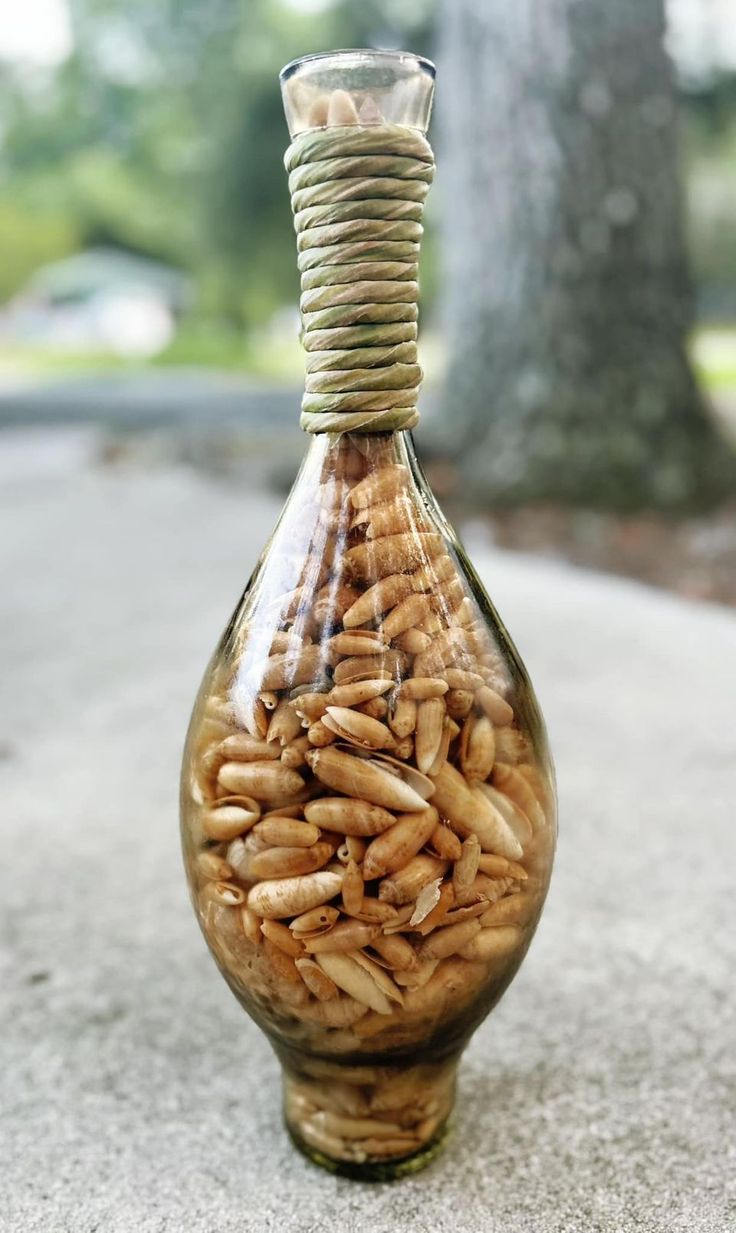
[(568, 294)]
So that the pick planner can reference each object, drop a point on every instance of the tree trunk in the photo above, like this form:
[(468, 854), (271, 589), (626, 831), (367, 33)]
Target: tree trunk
[(568, 294)]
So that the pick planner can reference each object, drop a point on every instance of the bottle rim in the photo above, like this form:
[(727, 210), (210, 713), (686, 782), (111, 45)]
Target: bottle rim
[(370, 53)]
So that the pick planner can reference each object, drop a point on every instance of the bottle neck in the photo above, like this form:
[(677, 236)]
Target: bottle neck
[(357, 194)]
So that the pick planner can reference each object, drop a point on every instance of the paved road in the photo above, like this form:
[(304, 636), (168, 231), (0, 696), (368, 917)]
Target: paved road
[(138, 1098), (152, 398)]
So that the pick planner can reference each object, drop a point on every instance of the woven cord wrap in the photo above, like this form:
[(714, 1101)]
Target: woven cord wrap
[(357, 194)]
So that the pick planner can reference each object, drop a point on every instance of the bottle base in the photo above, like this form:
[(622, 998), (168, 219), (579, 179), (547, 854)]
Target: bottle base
[(374, 1170), (371, 1123)]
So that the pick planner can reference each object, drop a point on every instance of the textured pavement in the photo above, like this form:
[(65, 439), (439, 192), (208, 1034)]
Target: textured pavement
[(136, 1097)]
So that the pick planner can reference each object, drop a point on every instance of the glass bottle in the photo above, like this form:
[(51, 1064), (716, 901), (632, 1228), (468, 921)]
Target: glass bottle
[(368, 810)]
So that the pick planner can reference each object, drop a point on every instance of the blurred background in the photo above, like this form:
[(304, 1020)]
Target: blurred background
[(578, 269)]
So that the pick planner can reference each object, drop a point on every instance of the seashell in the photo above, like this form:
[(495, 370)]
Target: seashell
[(226, 894), (417, 978), (377, 599), (449, 732), (242, 747), (459, 678), (368, 667), (402, 716), (380, 485), (352, 888), (285, 724), (283, 811), (394, 848), (281, 936), (348, 935), (332, 602), (470, 911), (516, 818), (445, 843), (439, 569), (395, 952), (284, 832), (319, 735), (316, 920), (392, 554), (513, 784), (477, 747), (358, 692), (435, 917), (317, 981), (309, 706), (394, 517), (444, 649), (495, 707), (373, 777), (377, 708), (357, 728), (448, 940), (404, 749), (210, 865), (466, 867), (286, 670), (449, 597), (251, 925), (375, 911), (494, 943), (287, 640), (413, 641), (358, 642), (382, 979), (284, 897), (429, 729), (404, 886), (459, 703), (355, 847), (288, 862), (500, 867), (294, 753), (266, 781), (511, 910), (418, 688), (281, 965), (490, 889), (231, 816), (469, 811), (427, 900), (355, 981), (239, 853), (249, 710), (431, 625), (348, 816)]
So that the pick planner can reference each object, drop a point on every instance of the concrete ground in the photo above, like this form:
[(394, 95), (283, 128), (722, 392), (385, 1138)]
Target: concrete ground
[(138, 1098)]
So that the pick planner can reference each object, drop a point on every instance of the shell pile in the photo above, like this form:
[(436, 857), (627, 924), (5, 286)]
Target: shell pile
[(368, 816)]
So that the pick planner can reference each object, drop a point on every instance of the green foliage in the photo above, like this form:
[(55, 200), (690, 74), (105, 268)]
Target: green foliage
[(28, 240), (164, 133)]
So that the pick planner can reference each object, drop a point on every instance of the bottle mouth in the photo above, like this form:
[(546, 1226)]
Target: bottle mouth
[(375, 87), (360, 56)]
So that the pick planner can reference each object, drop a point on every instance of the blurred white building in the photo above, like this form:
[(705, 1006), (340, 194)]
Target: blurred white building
[(103, 299)]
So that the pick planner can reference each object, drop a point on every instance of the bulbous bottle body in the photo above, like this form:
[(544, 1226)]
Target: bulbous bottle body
[(368, 810)]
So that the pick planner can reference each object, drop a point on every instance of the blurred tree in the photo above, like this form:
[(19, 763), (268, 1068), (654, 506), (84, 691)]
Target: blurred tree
[(164, 133), (569, 299)]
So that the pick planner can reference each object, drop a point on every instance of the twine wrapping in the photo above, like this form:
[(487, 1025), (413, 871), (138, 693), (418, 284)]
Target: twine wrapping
[(357, 194)]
